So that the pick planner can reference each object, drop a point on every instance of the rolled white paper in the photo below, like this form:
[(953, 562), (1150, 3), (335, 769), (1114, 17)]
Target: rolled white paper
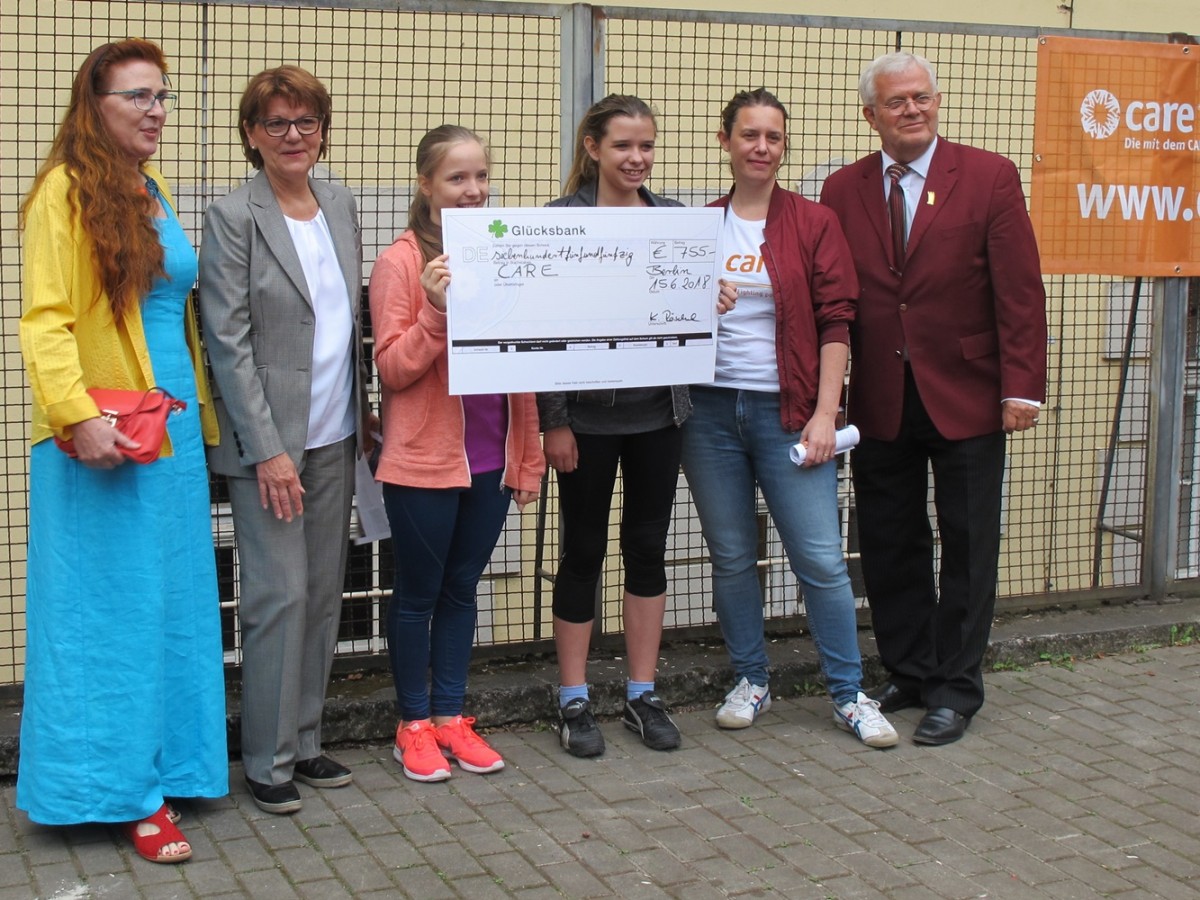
[(845, 439)]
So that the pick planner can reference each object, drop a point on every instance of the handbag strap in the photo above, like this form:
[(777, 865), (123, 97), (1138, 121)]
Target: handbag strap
[(173, 403)]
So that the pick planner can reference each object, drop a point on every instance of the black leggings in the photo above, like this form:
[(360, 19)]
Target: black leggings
[(650, 471)]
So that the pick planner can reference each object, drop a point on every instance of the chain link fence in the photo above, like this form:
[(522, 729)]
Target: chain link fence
[(1077, 489)]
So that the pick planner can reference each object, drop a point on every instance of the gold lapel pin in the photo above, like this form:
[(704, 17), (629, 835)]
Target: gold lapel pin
[(929, 198)]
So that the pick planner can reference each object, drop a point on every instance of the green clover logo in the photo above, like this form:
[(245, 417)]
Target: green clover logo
[(498, 229)]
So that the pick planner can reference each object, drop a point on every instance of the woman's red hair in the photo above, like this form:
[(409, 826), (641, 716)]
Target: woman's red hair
[(115, 215)]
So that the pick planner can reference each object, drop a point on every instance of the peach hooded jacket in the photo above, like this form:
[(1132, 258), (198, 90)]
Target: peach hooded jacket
[(423, 441)]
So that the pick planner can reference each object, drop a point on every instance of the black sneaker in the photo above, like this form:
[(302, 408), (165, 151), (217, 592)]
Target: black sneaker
[(274, 798), (647, 715), (322, 772), (578, 731)]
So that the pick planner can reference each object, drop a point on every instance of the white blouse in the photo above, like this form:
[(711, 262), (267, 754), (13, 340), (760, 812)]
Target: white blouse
[(331, 413)]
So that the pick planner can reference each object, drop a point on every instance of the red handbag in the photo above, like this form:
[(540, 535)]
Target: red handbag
[(140, 416)]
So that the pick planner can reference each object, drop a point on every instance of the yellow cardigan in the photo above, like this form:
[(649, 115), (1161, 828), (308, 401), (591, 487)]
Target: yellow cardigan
[(69, 338)]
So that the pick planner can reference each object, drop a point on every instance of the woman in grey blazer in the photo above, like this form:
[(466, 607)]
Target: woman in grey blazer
[(280, 289)]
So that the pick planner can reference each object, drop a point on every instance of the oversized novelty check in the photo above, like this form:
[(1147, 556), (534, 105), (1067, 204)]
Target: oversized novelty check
[(565, 299)]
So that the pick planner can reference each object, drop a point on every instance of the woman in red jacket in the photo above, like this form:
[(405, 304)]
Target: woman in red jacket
[(449, 467), (789, 290)]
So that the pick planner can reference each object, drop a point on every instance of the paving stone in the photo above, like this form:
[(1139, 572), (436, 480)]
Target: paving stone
[(13, 870), (363, 874), (423, 882), (878, 872), (1094, 873), (303, 864), (539, 893), (209, 877), (279, 832), (1060, 789), (946, 852), (513, 871), (1184, 868), (1024, 867), (729, 875), (1160, 884), (663, 867), (17, 893), (571, 821), (814, 864), (329, 889), (165, 891), (1044, 847), (701, 820), (574, 880), (450, 862), (246, 855), (227, 824), (850, 887), (392, 851), (908, 828), (540, 848), (58, 878)]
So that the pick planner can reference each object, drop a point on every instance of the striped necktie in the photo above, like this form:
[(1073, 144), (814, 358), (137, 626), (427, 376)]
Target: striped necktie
[(895, 172)]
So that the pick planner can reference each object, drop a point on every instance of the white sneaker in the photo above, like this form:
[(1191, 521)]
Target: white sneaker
[(863, 718), (743, 704)]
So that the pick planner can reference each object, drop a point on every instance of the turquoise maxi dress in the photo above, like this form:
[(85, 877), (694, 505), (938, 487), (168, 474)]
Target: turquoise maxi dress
[(124, 682)]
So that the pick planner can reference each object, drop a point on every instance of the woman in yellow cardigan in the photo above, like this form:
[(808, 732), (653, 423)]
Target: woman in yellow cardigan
[(124, 688)]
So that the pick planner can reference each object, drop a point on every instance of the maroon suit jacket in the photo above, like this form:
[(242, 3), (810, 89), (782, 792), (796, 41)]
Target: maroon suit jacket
[(970, 305)]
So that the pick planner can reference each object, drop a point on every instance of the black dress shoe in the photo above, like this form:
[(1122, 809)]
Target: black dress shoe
[(275, 798), (940, 725), (322, 772), (892, 699)]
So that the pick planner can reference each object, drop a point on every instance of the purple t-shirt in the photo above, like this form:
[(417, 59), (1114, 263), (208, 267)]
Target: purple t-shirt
[(486, 427)]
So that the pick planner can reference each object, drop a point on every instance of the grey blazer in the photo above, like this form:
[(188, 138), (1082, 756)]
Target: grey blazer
[(259, 323)]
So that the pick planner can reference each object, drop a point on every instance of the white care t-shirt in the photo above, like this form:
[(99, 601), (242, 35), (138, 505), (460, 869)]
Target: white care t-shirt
[(746, 357)]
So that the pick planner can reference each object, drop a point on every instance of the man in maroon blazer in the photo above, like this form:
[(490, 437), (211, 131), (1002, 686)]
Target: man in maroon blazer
[(948, 355)]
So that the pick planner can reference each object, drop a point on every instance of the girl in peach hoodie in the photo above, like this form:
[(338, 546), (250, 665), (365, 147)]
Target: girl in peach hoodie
[(450, 468)]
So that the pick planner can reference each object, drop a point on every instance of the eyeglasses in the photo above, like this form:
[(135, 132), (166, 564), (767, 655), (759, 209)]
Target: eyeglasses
[(305, 125), (900, 104), (145, 100)]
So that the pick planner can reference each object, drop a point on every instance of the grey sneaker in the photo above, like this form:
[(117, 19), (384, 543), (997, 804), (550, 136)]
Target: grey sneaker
[(647, 715), (578, 731)]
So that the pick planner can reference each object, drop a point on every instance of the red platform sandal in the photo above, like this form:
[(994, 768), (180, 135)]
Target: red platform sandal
[(161, 834)]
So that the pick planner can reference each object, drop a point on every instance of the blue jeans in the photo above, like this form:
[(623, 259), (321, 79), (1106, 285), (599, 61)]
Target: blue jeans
[(733, 440), (441, 542)]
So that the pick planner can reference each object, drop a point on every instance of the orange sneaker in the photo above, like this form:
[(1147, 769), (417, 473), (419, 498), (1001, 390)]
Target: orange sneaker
[(460, 743), (417, 751)]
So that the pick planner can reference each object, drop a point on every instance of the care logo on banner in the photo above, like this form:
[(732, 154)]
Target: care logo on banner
[(1116, 175)]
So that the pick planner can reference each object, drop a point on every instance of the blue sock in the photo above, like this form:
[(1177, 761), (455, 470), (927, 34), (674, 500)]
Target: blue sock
[(635, 689), (569, 692)]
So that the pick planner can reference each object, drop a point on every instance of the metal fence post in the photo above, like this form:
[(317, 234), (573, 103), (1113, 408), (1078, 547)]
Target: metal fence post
[(582, 84), (1169, 332), (582, 69)]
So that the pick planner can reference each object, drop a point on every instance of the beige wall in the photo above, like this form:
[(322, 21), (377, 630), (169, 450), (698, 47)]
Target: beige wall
[(1109, 15)]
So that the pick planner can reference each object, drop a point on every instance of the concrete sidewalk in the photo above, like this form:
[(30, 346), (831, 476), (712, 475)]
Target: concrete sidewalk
[(1078, 779)]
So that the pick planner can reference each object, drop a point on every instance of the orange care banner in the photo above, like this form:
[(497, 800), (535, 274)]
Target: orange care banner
[(1116, 144)]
